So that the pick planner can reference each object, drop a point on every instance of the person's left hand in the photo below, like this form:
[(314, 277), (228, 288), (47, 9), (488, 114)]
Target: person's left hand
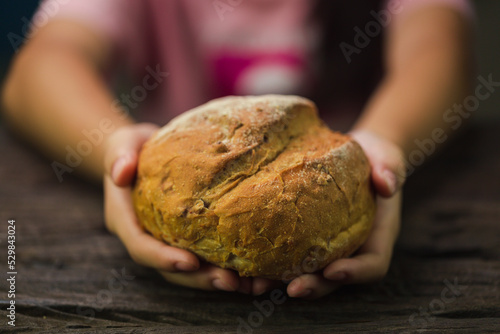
[(372, 260), (176, 265)]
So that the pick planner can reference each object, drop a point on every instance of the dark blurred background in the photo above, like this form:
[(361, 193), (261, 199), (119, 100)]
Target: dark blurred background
[(16, 14)]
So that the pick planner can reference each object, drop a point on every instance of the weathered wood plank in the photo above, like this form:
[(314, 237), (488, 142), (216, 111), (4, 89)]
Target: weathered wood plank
[(66, 261)]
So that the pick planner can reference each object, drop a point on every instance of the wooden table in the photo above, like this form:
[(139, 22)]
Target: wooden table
[(73, 276)]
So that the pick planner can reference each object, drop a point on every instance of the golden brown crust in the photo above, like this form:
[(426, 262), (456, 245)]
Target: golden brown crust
[(256, 184)]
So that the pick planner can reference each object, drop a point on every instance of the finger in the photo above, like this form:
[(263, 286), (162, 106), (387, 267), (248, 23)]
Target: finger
[(365, 268), (208, 277), (386, 160), (142, 247), (122, 151), (263, 285), (124, 169), (388, 172), (387, 178), (384, 180), (150, 252), (311, 286)]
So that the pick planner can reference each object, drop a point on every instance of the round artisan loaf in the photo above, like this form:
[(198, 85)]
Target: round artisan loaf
[(256, 184)]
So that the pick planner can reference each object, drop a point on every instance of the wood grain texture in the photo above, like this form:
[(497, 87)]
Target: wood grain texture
[(67, 262)]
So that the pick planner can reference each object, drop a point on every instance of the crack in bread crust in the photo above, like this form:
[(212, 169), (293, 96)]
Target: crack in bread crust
[(254, 183)]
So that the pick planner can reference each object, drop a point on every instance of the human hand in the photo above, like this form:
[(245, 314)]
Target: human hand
[(372, 260), (175, 265)]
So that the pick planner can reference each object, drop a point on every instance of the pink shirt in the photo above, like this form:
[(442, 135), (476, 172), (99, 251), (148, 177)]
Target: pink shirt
[(209, 48)]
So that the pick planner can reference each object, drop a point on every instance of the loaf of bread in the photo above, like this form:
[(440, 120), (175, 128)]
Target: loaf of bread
[(256, 184)]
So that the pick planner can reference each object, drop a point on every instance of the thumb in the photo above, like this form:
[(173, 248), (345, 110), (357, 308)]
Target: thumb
[(386, 179), (122, 152), (386, 160)]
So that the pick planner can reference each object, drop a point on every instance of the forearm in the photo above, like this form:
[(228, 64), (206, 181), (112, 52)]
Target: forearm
[(428, 71), (53, 97)]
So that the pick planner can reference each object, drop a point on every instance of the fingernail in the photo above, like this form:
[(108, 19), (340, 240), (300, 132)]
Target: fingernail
[(117, 168), (221, 285), (185, 266), (390, 180), (337, 276), (302, 294)]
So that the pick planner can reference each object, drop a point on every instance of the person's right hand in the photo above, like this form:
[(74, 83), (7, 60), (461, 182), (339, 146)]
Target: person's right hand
[(175, 265)]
